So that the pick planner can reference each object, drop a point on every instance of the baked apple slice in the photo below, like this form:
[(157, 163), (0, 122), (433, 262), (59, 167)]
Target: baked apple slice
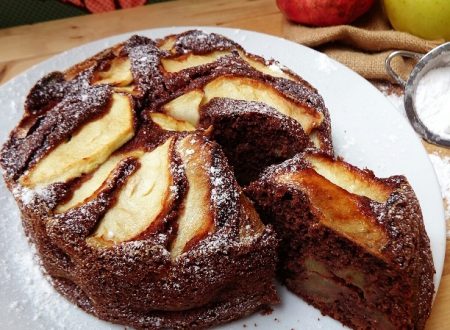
[(144, 199), (91, 185), (191, 60), (87, 148), (185, 107), (216, 49), (248, 89), (348, 178), (339, 210), (196, 219), (118, 73), (169, 123)]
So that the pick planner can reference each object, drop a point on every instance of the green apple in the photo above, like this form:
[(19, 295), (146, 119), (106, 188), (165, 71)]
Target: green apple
[(429, 19)]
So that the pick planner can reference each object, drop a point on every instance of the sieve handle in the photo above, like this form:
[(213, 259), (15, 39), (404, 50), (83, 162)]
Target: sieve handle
[(402, 53)]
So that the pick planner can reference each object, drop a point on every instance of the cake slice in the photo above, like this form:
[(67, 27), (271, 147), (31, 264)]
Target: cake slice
[(253, 135), (353, 245)]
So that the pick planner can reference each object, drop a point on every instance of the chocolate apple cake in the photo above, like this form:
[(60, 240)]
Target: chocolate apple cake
[(126, 167), (353, 245)]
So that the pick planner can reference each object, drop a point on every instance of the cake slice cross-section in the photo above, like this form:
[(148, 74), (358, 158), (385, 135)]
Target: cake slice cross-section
[(353, 245)]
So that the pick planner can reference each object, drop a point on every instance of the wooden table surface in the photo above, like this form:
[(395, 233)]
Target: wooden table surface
[(24, 46)]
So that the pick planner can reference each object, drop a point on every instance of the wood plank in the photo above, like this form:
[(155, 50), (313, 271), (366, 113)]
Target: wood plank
[(44, 38), (12, 68)]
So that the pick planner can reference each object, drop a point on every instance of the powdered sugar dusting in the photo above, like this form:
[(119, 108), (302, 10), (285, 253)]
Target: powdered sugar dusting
[(202, 42), (217, 183), (325, 64), (145, 61), (275, 67), (29, 196), (223, 192), (432, 101), (40, 294), (25, 195), (397, 102), (33, 298), (441, 165)]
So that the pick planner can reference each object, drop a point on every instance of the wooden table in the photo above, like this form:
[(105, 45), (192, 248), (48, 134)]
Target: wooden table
[(25, 46)]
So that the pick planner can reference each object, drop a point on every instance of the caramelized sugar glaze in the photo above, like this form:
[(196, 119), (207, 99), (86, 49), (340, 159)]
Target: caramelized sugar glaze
[(121, 169)]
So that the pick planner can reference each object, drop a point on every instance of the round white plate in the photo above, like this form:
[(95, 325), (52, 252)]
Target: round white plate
[(367, 131)]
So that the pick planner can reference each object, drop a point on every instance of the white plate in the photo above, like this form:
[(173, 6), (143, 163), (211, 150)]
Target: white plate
[(367, 131)]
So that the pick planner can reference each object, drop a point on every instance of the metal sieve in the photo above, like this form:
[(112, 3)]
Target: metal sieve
[(436, 58)]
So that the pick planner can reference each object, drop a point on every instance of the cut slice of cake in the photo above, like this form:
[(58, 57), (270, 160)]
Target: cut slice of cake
[(253, 135), (353, 245)]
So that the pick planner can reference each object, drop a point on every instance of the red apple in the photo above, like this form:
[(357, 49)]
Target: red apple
[(324, 12)]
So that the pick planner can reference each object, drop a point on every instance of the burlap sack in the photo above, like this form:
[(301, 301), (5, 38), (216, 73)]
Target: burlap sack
[(364, 45)]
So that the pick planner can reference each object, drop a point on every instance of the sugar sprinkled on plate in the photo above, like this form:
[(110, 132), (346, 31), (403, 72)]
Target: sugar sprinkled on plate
[(325, 64), (441, 166), (35, 300)]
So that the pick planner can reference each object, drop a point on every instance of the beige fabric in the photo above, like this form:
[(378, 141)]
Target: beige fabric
[(362, 46)]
